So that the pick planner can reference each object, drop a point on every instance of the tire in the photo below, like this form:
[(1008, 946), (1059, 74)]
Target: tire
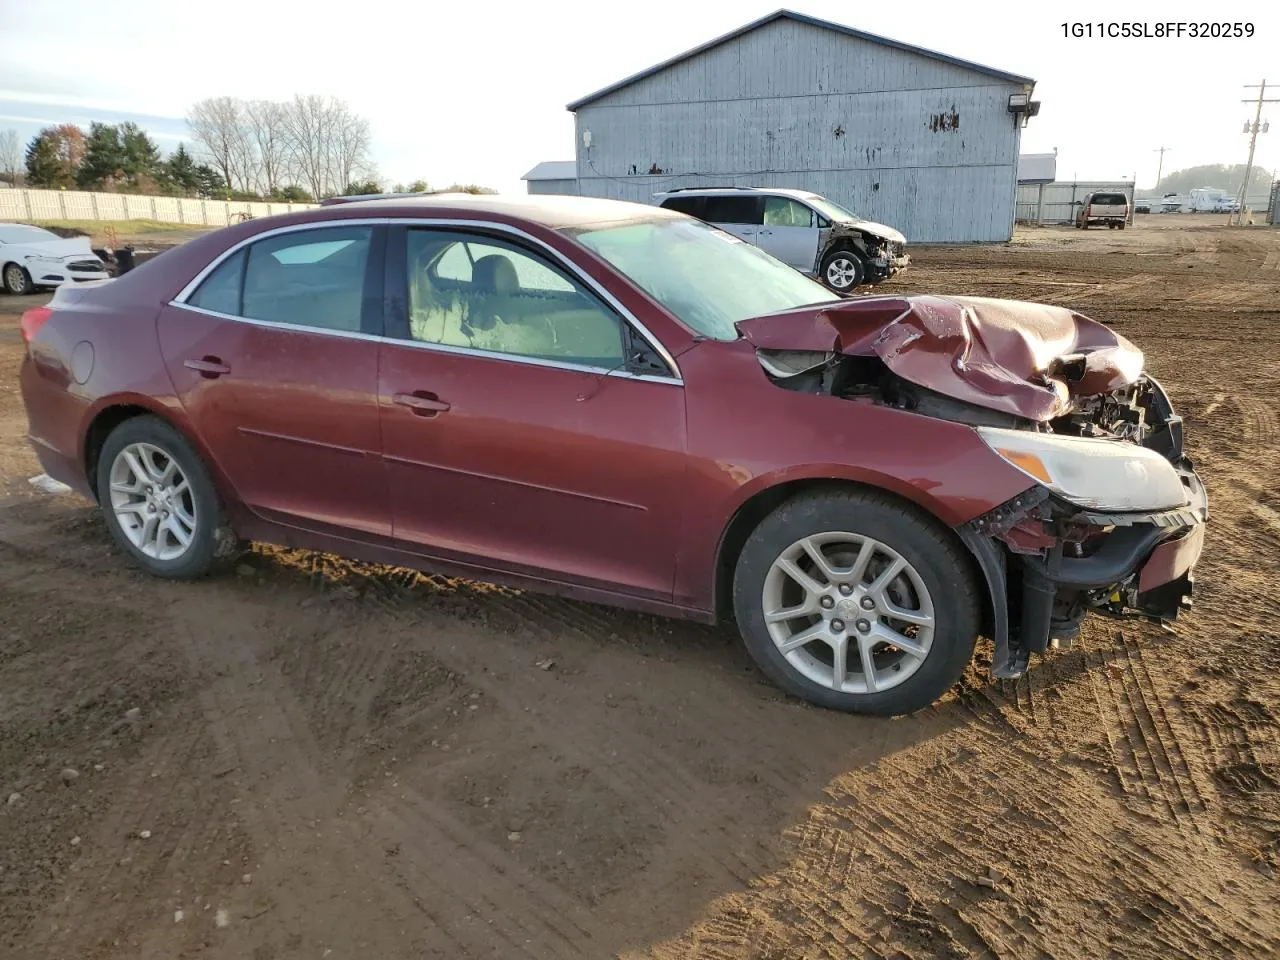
[(842, 270), (1120, 227), (938, 582), (17, 281), (210, 538)]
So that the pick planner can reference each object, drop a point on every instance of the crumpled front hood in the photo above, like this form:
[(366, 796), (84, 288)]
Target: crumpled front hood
[(1027, 359), (883, 231)]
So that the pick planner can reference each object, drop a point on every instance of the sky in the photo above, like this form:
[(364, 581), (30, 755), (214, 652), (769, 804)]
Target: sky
[(476, 92)]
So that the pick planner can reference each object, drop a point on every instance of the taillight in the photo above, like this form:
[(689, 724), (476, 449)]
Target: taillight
[(32, 321)]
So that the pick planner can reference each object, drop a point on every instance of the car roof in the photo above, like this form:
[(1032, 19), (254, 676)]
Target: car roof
[(551, 211), (735, 191)]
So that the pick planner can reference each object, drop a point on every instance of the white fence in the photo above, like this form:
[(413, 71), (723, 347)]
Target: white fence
[(1059, 202), (79, 205)]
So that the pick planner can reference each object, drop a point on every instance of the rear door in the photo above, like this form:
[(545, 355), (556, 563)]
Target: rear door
[(274, 356), (740, 215), (515, 436), (789, 232)]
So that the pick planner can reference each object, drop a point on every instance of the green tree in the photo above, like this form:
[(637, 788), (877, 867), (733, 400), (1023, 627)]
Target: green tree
[(44, 166), (103, 165), (362, 187), (1226, 177), (467, 188), (118, 154), (54, 156), (180, 170), (209, 182), (290, 194), (418, 186)]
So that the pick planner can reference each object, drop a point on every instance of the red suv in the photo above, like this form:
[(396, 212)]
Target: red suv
[(626, 405)]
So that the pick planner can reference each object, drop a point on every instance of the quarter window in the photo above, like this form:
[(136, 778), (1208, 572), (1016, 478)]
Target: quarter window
[(220, 291), (693, 206), (490, 295)]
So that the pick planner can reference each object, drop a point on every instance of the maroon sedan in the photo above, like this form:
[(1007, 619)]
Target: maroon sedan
[(623, 404)]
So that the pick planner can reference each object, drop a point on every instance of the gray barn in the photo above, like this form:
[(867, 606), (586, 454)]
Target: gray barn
[(906, 136), (553, 176)]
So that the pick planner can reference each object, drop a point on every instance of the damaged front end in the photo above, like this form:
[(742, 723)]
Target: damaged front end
[(1114, 519)]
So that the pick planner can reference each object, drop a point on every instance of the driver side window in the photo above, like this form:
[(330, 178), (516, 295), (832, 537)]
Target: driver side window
[(486, 294)]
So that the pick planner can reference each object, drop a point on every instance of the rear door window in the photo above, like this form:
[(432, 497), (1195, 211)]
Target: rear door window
[(734, 209), (1109, 199), (304, 278), (310, 278)]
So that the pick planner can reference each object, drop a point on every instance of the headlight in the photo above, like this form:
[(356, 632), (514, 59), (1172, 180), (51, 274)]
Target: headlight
[(1098, 474)]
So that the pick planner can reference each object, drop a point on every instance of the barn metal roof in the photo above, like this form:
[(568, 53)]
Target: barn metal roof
[(553, 170), (813, 22)]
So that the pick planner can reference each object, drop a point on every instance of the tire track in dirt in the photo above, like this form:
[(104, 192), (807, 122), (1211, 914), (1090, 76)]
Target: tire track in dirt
[(297, 791)]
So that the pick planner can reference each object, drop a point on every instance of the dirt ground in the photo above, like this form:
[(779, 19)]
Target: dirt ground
[(316, 758)]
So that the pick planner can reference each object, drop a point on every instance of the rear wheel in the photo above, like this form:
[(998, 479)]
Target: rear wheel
[(854, 601), (159, 501), (16, 280), (843, 270)]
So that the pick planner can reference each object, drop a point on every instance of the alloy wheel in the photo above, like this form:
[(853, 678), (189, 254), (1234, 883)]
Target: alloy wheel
[(153, 501), (848, 612), (14, 281), (842, 273)]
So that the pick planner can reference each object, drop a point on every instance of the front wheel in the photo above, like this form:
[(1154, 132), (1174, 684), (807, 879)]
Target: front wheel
[(843, 270), (17, 281), (856, 602), (159, 501)]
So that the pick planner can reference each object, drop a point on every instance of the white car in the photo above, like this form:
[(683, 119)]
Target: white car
[(31, 257)]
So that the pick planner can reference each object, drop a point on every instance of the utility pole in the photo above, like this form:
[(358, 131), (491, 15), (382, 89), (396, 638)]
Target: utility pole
[(1253, 130), (1159, 167)]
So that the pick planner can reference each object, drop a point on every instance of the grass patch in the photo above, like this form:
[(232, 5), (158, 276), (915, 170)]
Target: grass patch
[(127, 231)]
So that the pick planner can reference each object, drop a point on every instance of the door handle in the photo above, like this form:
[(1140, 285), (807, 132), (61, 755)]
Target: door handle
[(208, 367), (764, 233), (422, 403)]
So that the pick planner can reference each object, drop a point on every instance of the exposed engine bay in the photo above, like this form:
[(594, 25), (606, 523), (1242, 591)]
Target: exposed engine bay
[(1022, 370)]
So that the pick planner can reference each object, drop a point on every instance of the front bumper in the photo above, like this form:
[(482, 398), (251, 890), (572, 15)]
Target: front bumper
[(1127, 565), (882, 268), (53, 273)]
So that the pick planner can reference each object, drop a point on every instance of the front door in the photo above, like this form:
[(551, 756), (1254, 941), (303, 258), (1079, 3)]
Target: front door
[(790, 233), (514, 435), (273, 359)]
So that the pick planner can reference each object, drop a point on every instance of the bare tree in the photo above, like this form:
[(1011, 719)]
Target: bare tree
[(269, 134), (218, 125), (328, 142), (267, 146), (10, 156), (350, 145), (308, 120)]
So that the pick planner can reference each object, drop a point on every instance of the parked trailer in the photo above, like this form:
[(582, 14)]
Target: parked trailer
[(1212, 200)]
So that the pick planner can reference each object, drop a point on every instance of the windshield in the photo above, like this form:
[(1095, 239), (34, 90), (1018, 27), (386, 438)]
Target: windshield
[(24, 233), (708, 278), (829, 208)]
